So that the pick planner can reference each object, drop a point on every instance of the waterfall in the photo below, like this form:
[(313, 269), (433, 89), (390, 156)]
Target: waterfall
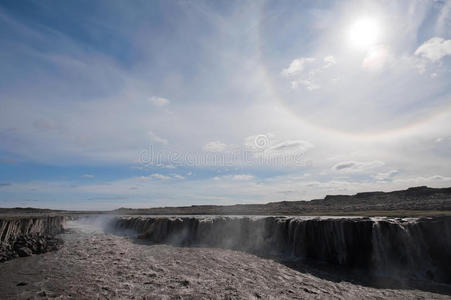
[(414, 248), (399, 247)]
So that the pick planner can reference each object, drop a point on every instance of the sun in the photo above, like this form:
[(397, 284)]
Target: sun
[(364, 33)]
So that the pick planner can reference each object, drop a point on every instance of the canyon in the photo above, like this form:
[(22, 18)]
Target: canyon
[(378, 245)]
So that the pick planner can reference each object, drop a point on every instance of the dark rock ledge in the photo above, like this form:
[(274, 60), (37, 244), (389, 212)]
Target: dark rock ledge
[(25, 236)]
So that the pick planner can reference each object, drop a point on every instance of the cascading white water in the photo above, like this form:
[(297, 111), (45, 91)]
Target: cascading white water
[(403, 248)]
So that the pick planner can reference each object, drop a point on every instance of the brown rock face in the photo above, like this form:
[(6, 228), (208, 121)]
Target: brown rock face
[(24, 236)]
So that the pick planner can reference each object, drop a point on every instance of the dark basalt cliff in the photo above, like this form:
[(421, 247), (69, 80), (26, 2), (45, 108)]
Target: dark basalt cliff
[(413, 199), (418, 249), (24, 236)]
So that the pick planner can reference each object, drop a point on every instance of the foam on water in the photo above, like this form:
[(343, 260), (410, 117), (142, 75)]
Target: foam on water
[(398, 247)]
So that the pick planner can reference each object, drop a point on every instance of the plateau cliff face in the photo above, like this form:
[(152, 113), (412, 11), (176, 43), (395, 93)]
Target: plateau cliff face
[(24, 236), (404, 248), (402, 202)]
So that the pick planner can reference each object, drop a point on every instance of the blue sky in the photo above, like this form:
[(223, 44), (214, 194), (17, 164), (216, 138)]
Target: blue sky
[(106, 104)]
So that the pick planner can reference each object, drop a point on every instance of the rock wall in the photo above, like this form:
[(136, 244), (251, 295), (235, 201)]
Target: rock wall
[(404, 248), (24, 236), (414, 200)]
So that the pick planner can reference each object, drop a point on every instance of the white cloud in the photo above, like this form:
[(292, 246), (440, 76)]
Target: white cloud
[(215, 146), (434, 49), (329, 61), (87, 176), (386, 175), (307, 71), (309, 84), (439, 178), (159, 101), (297, 66), (155, 176), (236, 177), (160, 176), (290, 146), (267, 149), (356, 166), (157, 139), (242, 177), (424, 179)]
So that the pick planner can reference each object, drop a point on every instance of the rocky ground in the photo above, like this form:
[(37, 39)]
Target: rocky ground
[(92, 264), (27, 245), (22, 236)]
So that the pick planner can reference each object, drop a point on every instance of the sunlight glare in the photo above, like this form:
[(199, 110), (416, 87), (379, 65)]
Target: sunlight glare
[(364, 33)]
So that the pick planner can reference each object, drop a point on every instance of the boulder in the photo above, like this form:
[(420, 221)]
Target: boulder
[(24, 251)]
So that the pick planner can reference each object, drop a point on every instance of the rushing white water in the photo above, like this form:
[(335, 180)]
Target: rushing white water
[(418, 249)]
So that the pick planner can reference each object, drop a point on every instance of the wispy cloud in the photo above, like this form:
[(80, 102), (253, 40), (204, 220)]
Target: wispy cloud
[(158, 101), (157, 139), (386, 175), (356, 166), (155, 176), (214, 146), (290, 146)]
